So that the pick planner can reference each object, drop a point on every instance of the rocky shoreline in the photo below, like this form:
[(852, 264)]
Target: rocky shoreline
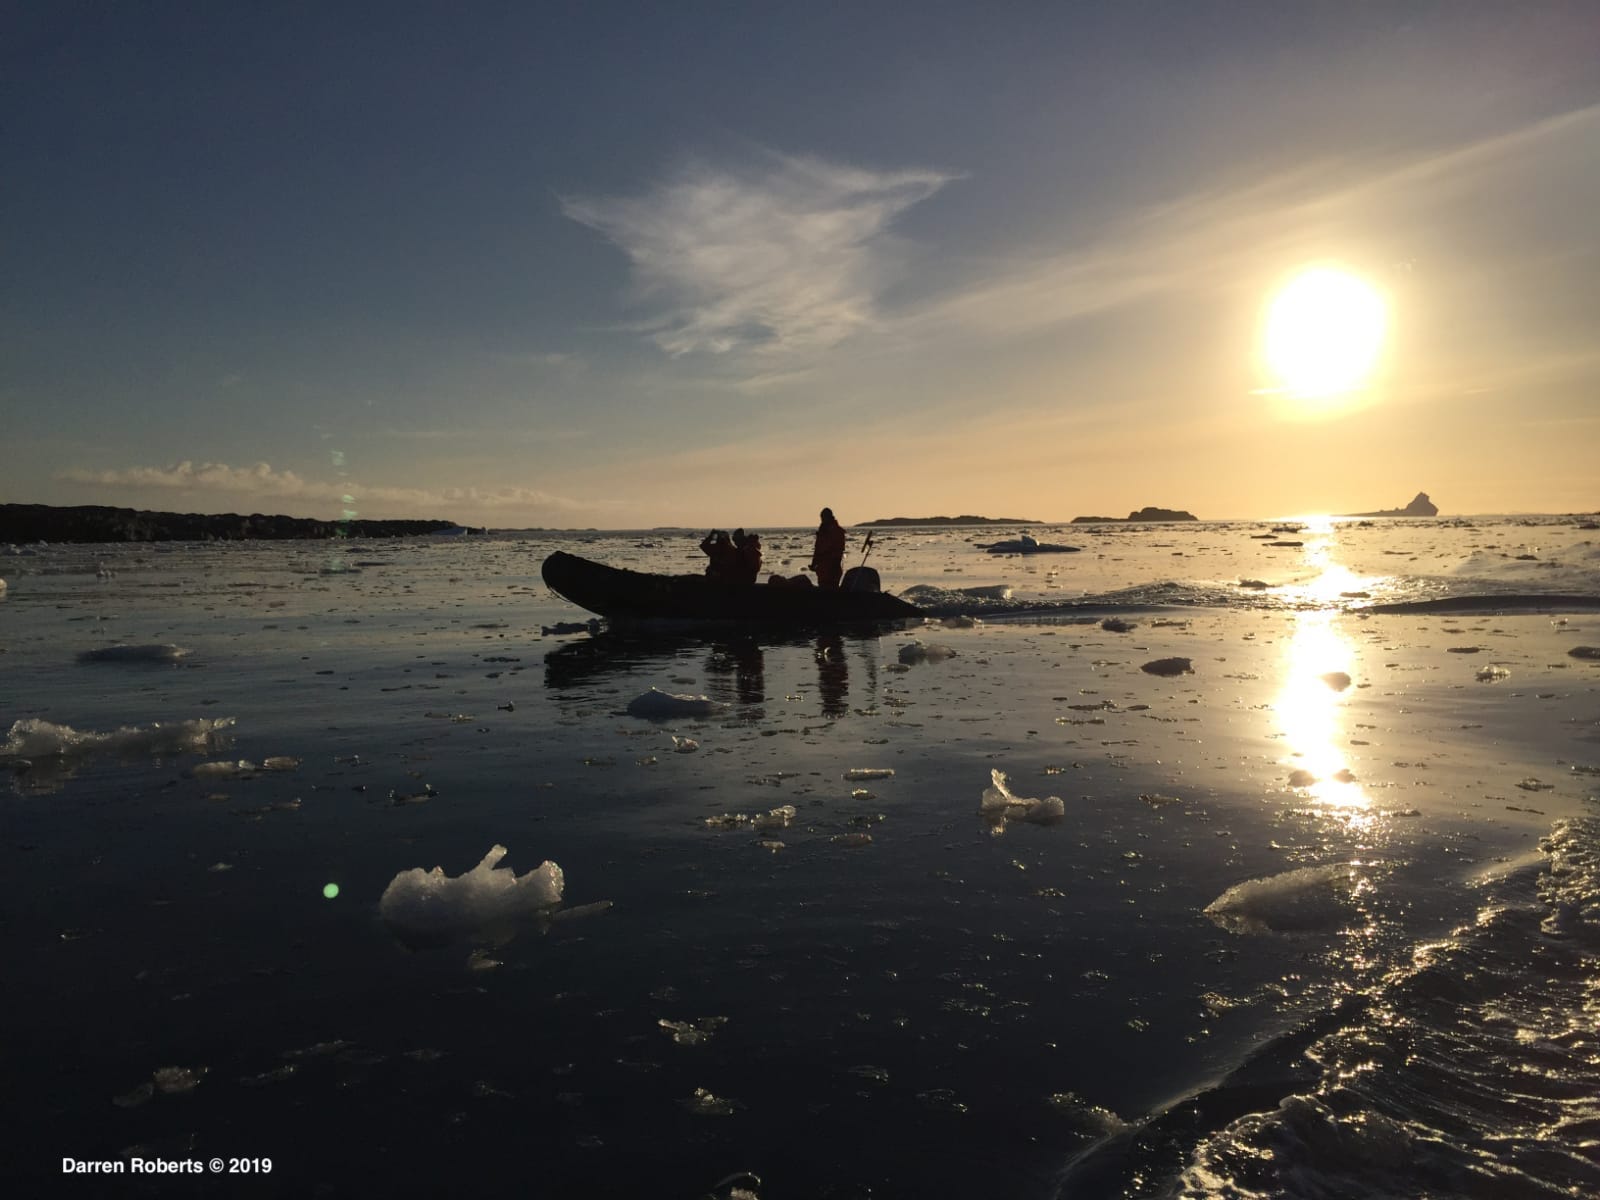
[(98, 523)]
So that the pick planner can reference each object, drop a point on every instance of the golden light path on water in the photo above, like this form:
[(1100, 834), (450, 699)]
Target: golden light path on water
[(1318, 680)]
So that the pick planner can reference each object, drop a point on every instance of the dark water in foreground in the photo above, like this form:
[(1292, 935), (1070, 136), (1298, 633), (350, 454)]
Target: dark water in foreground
[(1214, 976)]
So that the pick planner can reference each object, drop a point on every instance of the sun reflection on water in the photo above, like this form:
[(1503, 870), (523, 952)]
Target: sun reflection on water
[(1311, 711)]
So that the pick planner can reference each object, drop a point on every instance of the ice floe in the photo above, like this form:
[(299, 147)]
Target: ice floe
[(164, 652), (869, 773), (432, 908), (33, 738), (917, 652), (657, 705), (999, 805), (1304, 900)]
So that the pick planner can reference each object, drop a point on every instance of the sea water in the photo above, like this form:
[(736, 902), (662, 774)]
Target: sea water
[(1312, 915)]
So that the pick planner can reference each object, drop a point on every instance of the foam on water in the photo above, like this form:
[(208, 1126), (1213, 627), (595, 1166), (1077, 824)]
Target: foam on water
[(1473, 1073)]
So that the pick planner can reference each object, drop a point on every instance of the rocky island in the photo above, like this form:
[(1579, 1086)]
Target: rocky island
[(1144, 514), (1420, 506), (98, 523), (963, 520)]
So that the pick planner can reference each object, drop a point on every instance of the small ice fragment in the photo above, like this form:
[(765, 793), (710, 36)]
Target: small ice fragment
[(1301, 778), (770, 845), (777, 818), (279, 762), (917, 652), (692, 1033), (266, 1078), (223, 770), (1168, 666), (430, 907), (174, 1081), (1117, 625), (1156, 800), (217, 868), (851, 841), (706, 1104), (658, 705), (1492, 674), (859, 773), (482, 960), (727, 821), (1337, 680), (999, 805), (134, 654), (684, 745)]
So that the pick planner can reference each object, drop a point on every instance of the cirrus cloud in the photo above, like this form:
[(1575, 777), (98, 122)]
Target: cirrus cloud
[(791, 256)]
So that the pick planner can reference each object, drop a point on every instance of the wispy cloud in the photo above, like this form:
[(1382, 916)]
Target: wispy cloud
[(262, 482), (792, 255)]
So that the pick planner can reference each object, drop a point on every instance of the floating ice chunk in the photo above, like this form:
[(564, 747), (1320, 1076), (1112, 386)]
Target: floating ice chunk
[(35, 738), (223, 770), (998, 591), (432, 908), (851, 841), (684, 745), (1337, 680), (999, 805), (916, 652), (705, 1103), (1168, 666), (1492, 674), (692, 1033), (279, 762), (1299, 901), (658, 705), (869, 773), (155, 653), (777, 818)]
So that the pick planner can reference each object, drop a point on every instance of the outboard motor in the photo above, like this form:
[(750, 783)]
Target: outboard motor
[(860, 579)]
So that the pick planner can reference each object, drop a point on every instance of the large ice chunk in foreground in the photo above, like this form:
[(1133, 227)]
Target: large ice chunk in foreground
[(1304, 900), (432, 908)]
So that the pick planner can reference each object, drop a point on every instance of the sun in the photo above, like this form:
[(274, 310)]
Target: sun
[(1323, 332)]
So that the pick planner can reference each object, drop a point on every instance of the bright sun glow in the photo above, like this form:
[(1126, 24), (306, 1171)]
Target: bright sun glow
[(1323, 332)]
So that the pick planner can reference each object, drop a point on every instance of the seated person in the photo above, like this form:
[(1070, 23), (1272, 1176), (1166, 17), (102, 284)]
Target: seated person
[(748, 547), (724, 563)]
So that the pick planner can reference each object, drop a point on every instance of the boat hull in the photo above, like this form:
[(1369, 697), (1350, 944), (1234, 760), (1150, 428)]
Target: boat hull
[(628, 597)]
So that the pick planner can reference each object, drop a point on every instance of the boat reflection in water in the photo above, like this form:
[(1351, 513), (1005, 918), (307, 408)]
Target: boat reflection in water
[(735, 666)]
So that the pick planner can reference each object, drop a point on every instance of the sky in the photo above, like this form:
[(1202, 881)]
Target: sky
[(717, 264)]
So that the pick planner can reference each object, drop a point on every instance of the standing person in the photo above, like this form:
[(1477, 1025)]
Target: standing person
[(827, 552)]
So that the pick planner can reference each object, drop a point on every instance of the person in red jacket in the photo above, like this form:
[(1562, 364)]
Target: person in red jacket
[(827, 553)]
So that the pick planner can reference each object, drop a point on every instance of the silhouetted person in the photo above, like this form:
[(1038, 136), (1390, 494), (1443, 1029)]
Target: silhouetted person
[(827, 552), (748, 546), (724, 563)]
